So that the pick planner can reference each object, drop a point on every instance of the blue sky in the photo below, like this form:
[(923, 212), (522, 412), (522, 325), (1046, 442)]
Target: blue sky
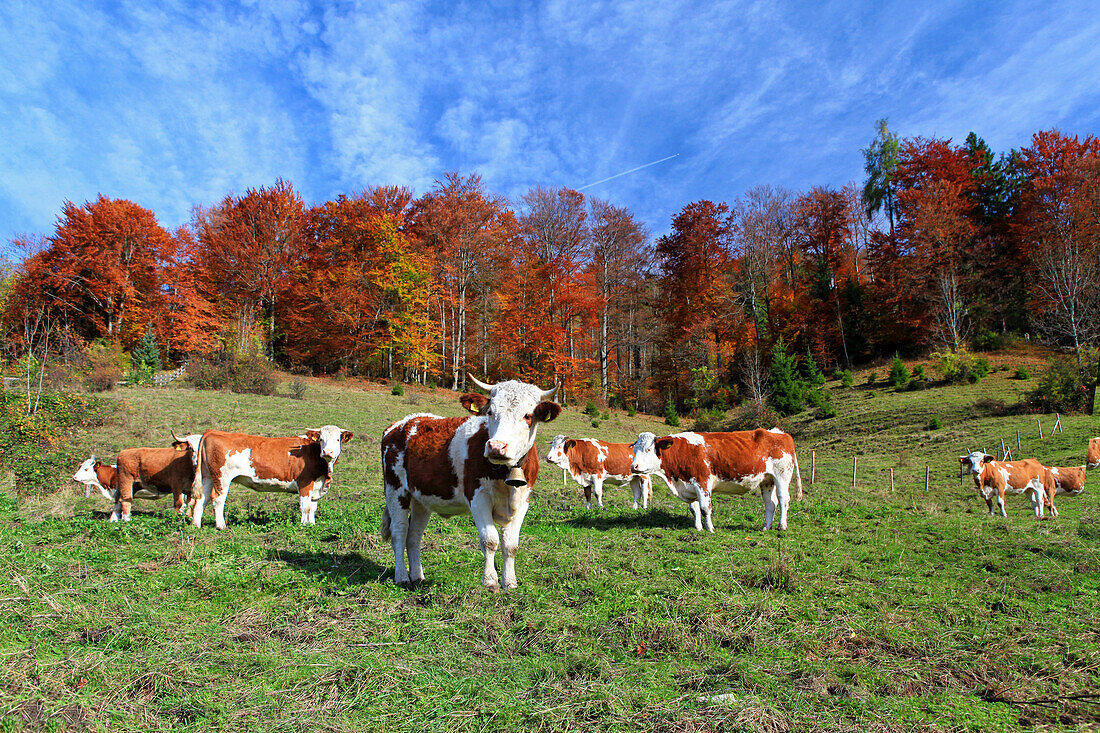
[(172, 104)]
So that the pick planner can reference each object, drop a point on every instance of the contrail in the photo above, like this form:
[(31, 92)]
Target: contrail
[(610, 178)]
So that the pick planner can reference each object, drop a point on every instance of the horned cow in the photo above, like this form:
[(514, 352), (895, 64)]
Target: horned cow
[(482, 465), (993, 479)]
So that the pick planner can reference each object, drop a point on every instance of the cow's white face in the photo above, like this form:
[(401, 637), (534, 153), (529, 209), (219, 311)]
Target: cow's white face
[(645, 459), (973, 463), (329, 438), (513, 411), (86, 473), (556, 455)]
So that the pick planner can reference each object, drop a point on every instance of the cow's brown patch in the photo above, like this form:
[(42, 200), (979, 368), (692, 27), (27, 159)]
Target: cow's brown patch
[(283, 459), (165, 470), (107, 476), (584, 457), (427, 457)]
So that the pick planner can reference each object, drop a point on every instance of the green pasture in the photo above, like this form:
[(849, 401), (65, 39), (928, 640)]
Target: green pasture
[(877, 610)]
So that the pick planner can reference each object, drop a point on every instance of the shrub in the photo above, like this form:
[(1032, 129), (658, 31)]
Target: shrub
[(297, 388), (397, 391), (915, 385), (591, 409), (753, 415), (235, 372), (606, 415), (138, 374), (918, 372), (104, 367), (934, 424), (826, 411), (979, 368), (960, 367), (708, 420), (1061, 388), (671, 418), (1021, 373), (845, 377), (872, 378), (987, 340), (899, 375), (595, 423), (631, 411)]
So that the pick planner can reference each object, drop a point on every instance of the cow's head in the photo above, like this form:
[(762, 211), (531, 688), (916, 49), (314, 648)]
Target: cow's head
[(973, 463), (1094, 453), (86, 473), (558, 451), (513, 411), (187, 442), (647, 453), (329, 438)]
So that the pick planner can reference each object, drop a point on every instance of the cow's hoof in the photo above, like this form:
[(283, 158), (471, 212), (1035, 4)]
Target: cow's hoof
[(492, 587), (220, 527), (113, 518), (125, 517)]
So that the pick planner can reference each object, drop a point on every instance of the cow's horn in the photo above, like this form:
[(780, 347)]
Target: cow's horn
[(479, 383), (175, 438), (549, 394)]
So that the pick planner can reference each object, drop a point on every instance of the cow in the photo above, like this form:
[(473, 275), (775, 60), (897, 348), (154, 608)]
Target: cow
[(698, 465), (1068, 480), (1093, 459), (300, 464), (94, 474), (993, 478), (592, 463), (483, 465), (150, 473)]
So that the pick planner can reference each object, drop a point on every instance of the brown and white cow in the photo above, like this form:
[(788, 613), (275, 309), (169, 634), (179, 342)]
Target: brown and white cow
[(1068, 480), (993, 479), (301, 465), (698, 465), (592, 463), (1093, 458), (150, 473), (97, 475), (465, 465)]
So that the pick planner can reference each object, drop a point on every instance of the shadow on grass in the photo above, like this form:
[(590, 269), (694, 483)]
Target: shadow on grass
[(652, 519), (353, 567)]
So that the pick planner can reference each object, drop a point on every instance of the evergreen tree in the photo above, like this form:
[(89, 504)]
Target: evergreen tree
[(899, 375), (788, 389), (146, 355)]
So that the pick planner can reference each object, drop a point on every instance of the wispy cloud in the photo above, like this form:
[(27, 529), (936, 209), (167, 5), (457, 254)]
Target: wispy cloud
[(178, 103)]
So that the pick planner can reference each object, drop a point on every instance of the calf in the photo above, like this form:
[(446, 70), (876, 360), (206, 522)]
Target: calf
[(1067, 480), (300, 464), (993, 478), (1093, 459), (592, 463), (698, 465), (94, 474), (150, 473), (483, 466)]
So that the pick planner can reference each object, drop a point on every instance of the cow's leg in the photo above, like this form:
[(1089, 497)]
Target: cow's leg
[(482, 510), (200, 499), (597, 487), (116, 512), (989, 503), (768, 494), (696, 512), (511, 541), (1036, 502), (783, 499), (1001, 502), (178, 502), (418, 521), (706, 507), (588, 496), (399, 532), (305, 504), (637, 488), (647, 490), (218, 497)]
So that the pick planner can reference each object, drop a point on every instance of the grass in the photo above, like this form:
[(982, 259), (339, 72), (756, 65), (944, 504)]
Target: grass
[(877, 610)]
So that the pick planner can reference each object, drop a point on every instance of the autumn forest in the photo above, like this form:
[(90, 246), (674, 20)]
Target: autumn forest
[(944, 247)]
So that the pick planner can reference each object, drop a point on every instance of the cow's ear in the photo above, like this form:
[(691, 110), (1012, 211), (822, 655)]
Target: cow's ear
[(474, 402), (314, 435), (662, 444), (989, 459), (546, 411), (570, 443), (346, 435)]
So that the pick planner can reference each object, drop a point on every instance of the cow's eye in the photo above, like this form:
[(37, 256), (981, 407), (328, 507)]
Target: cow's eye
[(528, 417)]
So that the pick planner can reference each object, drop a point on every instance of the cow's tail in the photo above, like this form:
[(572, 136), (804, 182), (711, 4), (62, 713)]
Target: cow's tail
[(796, 481), (384, 530), (200, 464)]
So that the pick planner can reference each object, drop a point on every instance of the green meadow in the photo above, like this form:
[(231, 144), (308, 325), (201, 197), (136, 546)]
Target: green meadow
[(877, 610)]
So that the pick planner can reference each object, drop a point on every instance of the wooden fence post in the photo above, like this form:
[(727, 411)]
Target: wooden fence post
[(1018, 448), (813, 466), (926, 473), (891, 480), (855, 462), (1040, 424), (1004, 451)]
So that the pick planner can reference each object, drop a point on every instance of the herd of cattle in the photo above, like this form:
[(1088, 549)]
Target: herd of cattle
[(485, 464)]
